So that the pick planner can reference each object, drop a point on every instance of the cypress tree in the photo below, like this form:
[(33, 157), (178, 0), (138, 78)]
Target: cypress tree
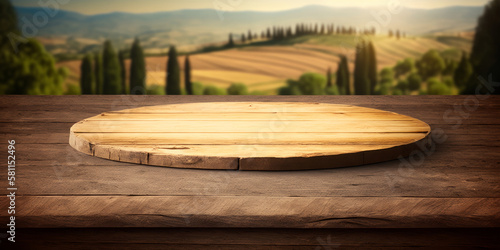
[(340, 81), (111, 71), (173, 86), (8, 22), (230, 42), (485, 54), (346, 76), (343, 76), (137, 69), (463, 72), (243, 39), (329, 77), (98, 76), (123, 75), (86, 79), (250, 36), (187, 76), (372, 66), (361, 80)]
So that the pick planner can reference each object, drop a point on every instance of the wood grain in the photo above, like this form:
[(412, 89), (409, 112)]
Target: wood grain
[(261, 238), (249, 135), (456, 186), (250, 212)]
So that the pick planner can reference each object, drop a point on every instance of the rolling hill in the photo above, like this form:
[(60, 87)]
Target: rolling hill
[(84, 33), (265, 67)]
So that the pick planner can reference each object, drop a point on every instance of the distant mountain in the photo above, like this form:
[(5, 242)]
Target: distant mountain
[(190, 27)]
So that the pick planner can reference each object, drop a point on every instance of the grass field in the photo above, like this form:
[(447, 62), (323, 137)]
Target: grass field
[(265, 66)]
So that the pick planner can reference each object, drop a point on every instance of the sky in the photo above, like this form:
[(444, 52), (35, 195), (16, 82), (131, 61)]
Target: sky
[(91, 7)]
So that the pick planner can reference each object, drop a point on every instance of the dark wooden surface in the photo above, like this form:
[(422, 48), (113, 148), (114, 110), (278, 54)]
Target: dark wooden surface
[(454, 189)]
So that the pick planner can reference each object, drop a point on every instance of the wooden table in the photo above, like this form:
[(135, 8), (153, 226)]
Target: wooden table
[(447, 197)]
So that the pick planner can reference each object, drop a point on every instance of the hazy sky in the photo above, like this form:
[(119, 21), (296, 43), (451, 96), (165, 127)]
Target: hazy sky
[(141, 6)]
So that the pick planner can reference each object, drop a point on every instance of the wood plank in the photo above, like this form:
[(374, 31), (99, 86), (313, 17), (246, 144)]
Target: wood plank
[(449, 172), (245, 211), (395, 126), (459, 137), (133, 115), (138, 101), (237, 238), (251, 138), (63, 127), (381, 180)]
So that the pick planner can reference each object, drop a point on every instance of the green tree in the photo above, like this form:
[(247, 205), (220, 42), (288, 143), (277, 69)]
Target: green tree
[(450, 68), (187, 76), (212, 90), (173, 73), (431, 64), (485, 55), (112, 84), (86, 77), (383, 89), (237, 89), (137, 69), (414, 81), (372, 66), (387, 76), (155, 89), (25, 67), (386, 82), (72, 89), (404, 86), (448, 80), (312, 84), (98, 75), (8, 24), (291, 88), (343, 77), (198, 88), (463, 72), (123, 75), (436, 87), (332, 90), (397, 91), (361, 78), (404, 67), (30, 71)]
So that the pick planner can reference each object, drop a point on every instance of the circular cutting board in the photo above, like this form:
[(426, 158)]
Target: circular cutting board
[(249, 135)]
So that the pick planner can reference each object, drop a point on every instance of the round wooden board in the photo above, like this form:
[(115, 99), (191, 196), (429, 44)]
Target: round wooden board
[(249, 136)]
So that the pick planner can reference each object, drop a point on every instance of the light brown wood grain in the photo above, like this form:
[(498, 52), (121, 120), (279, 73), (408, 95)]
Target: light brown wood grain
[(248, 211), (249, 135)]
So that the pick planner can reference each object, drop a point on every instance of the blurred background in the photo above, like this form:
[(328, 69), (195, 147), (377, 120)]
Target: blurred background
[(242, 47)]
